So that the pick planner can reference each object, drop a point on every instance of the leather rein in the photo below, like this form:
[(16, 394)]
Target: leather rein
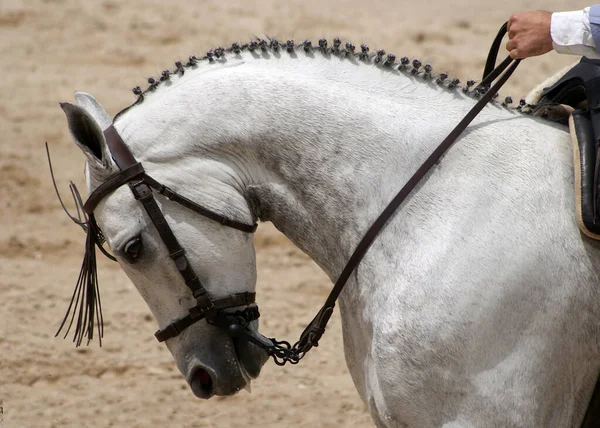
[(237, 324)]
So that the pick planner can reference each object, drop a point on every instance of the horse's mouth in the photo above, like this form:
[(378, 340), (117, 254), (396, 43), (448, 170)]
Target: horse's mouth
[(248, 360)]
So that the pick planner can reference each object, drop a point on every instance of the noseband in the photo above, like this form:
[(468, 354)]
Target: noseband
[(141, 185)]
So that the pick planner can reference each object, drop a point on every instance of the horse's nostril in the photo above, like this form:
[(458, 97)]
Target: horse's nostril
[(201, 384)]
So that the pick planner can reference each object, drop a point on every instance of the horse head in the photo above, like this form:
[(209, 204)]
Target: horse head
[(222, 258)]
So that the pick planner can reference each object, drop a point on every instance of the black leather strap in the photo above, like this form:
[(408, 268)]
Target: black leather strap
[(141, 185), (132, 172), (173, 329), (490, 62), (182, 200), (316, 328), (493, 75), (118, 149)]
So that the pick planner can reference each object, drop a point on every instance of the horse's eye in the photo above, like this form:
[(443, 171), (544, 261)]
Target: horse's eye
[(133, 249)]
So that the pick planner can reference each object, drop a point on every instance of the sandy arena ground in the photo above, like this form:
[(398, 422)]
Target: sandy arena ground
[(49, 49)]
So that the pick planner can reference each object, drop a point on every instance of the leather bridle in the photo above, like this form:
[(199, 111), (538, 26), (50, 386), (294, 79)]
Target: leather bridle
[(141, 185), (237, 324)]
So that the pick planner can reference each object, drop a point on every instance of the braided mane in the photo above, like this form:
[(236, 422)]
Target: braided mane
[(378, 58)]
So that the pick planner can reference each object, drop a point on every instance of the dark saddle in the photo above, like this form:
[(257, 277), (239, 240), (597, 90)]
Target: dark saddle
[(579, 88)]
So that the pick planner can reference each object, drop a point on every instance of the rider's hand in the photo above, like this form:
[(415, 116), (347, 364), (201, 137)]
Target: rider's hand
[(529, 34)]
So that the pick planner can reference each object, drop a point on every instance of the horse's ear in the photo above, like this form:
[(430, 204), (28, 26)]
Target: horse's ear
[(87, 134), (94, 108)]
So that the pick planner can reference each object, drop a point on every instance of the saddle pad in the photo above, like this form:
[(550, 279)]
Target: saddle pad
[(584, 162)]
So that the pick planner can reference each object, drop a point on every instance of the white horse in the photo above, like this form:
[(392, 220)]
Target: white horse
[(477, 306)]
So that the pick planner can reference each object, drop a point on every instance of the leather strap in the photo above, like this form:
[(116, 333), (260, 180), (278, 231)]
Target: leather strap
[(173, 329), (129, 171), (143, 193), (316, 328), (113, 183), (141, 185), (182, 200), (485, 83), (490, 62), (118, 149)]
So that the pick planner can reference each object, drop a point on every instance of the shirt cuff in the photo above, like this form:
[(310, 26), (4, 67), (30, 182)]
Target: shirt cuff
[(571, 32)]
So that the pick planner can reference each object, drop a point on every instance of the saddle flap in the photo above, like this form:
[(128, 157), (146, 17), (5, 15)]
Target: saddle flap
[(585, 162)]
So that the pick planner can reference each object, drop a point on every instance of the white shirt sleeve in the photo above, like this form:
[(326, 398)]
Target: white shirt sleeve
[(571, 33)]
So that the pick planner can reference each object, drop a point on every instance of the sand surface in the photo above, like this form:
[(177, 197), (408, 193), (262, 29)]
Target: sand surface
[(49, 49)]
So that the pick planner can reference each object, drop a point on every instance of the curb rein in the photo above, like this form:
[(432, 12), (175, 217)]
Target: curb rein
[(237, 324)]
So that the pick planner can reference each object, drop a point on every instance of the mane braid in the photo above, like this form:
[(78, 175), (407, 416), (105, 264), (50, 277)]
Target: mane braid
[(85, 300), (378, 59)]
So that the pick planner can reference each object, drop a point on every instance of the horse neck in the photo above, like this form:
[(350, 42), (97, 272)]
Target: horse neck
[(320, 146)]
